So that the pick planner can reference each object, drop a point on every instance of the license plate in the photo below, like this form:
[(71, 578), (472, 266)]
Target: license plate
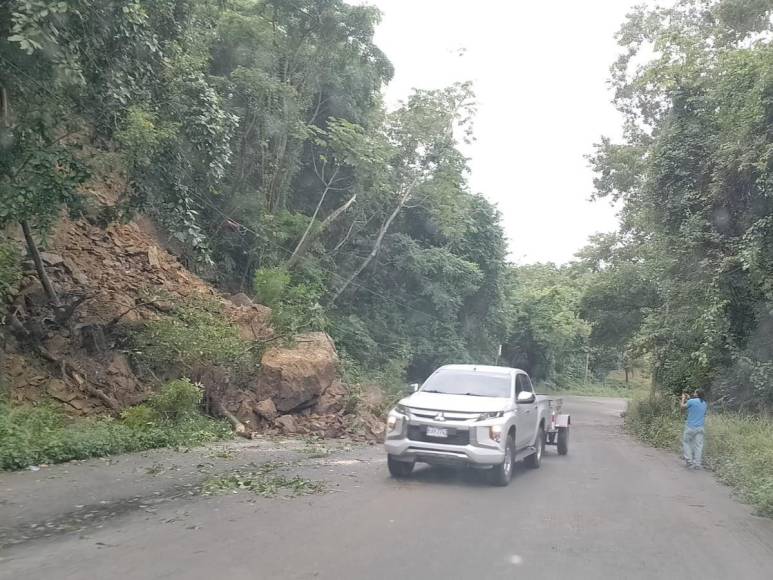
[(437, 432)]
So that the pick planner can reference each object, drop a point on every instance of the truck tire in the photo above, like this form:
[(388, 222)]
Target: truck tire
[(535, 459), (399, 469), (563, 440), (502, 473)]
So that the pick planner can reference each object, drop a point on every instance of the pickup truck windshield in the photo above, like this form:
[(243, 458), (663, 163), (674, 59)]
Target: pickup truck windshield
[(468, 383)]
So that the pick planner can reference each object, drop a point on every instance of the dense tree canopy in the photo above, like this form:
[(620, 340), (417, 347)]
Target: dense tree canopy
[(254, 132), (693, 174)]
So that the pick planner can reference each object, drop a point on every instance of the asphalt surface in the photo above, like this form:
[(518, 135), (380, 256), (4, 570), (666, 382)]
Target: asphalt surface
[(611, 509)]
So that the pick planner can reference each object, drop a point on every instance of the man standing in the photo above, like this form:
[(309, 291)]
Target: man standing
[(692, 440)]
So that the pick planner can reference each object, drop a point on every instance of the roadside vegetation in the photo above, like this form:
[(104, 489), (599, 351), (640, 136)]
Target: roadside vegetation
[(31, 436), (739, 448)]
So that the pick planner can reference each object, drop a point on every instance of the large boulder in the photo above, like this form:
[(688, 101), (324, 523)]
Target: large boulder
[(332, 400), (295, 377)]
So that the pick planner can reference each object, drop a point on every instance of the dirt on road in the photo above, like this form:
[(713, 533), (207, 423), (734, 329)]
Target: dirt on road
[(612, 508)]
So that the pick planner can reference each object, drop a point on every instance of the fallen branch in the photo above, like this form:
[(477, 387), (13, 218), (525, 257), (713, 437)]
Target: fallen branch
[(118, 318), (239, 427)]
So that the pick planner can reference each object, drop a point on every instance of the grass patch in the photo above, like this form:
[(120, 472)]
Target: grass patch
[(264, 481), (44, 434), (739, 449)]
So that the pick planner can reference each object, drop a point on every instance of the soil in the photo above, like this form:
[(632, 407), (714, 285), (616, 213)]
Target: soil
[(126, 274)]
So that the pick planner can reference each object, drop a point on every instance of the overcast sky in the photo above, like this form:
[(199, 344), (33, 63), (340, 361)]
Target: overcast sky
[(539, 70)]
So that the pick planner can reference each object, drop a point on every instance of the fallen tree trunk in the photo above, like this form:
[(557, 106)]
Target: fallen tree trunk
[(238, 427)]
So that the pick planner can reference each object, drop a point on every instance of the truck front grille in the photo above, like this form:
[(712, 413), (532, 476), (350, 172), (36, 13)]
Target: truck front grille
[(455, 436)]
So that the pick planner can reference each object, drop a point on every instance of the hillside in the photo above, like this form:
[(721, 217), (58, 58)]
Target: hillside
[(118, 279)]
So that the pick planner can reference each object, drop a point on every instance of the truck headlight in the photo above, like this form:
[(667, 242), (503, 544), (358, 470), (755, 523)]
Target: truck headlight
[(491, 415), (391, 422), (495, 432)]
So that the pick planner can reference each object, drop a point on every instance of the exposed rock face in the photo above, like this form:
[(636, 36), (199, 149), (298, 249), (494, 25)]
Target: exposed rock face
[(253, 322), (296, 377)]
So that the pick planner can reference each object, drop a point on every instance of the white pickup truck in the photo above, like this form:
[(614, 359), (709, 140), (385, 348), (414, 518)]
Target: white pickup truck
[(477, 416)]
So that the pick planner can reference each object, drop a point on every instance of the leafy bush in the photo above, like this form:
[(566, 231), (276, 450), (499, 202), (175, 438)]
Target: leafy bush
[(270, 285), (10, 272), (33, 435), (295, 302), (140, 416), (351, 336), (178, 400), (739, 449), (656, 420), (197, 333)]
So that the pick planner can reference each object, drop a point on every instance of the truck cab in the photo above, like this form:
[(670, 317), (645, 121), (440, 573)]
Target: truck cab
[(480, 416)]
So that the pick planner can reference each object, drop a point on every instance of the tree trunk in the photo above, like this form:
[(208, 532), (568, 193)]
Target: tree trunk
[(303, 245), (376, 247), (238, 427), (44, 279), (4, 106), (300, 248)]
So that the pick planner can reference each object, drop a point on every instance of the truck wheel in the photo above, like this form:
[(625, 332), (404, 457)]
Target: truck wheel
[(502, 474), (399, 469), (563, 440), (535, 459)]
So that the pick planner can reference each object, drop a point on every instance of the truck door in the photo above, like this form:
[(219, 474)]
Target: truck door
[(528, 413)]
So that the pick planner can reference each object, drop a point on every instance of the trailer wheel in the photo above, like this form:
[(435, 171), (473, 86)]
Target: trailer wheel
[(502, 473), (535, 459), (563, 440), (399, 469)]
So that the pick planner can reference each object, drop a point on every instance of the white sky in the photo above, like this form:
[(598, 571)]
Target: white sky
[(539, 70)]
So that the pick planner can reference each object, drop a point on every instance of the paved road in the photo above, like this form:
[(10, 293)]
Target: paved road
[(610, 509)]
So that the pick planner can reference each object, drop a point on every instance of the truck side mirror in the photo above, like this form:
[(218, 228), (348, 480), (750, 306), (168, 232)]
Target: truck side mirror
[(414, 387), (525, 397)]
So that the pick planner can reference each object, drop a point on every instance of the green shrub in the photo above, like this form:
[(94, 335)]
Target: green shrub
[(739, 449), (197, 333), (300, 310), (270, 285), (34, 435), (295, 302), (140, 416), (10, 272), (177, 400)]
